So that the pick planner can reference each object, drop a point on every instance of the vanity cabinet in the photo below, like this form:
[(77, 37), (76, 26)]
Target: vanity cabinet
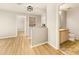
[(63, 35)]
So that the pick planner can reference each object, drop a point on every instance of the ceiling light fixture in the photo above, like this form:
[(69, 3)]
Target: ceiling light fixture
[(29, 8)]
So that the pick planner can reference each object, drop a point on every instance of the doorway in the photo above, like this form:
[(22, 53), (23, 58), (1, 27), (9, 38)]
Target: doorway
[(20, 24), (69, 35)]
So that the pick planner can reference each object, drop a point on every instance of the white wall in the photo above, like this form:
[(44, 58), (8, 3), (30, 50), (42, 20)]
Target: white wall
[(21, 22), (73, 21), (51, 24), (38, 20), (27, 25), (39, 35), (43, 19), (7, 24)]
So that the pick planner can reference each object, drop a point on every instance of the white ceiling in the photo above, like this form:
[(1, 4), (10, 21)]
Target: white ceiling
[(38, 8), (68, 6)]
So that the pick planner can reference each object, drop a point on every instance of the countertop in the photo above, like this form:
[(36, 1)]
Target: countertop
[(63, 29)]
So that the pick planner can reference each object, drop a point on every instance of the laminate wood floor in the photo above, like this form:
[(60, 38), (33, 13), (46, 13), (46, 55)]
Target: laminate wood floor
[(70, 47), (21, 46)]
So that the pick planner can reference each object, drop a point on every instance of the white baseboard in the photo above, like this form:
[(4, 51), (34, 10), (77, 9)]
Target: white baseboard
[(53, 46), (44, 43), (63, 52), (39, 44), (57, 48), (50, 45), (7, 37)]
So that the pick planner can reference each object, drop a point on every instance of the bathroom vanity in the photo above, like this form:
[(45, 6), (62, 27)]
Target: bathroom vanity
[(63, 31)]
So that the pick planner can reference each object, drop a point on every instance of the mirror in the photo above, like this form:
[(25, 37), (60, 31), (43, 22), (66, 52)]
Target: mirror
[(32, 21), (62, 18)]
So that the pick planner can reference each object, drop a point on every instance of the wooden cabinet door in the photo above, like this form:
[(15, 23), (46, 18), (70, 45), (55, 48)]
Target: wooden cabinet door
[(63, 36)]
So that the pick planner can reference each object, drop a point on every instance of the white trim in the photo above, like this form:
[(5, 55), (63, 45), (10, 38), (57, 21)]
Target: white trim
[(57, 48), (63, 52), (44, 43), (39, 44), (57, 27), (50, 45), (53, 46), (7, 37)]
